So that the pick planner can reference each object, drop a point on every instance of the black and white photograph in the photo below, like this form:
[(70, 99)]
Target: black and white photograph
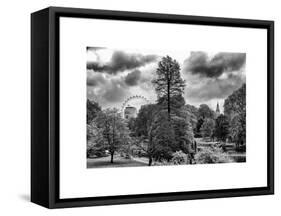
[(150, 107), (137, 107)]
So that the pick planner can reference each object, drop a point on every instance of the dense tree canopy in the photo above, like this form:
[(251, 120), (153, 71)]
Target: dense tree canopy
[(205, 111), (95, 141), (145, 118), (207, 128), (222, 127), (92, 110), (144, 130), (114, 130), (235, 110), (163, 137), (236, 102), (238, 129), (193, 114)]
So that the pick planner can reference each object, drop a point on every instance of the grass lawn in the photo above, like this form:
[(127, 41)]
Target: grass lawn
[(104, 162)]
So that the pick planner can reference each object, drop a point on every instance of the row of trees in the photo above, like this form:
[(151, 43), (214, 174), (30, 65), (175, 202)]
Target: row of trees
[(231, 125)]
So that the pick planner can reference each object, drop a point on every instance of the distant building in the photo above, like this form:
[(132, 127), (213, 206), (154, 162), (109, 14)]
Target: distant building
[(130, 112), (217, 110)]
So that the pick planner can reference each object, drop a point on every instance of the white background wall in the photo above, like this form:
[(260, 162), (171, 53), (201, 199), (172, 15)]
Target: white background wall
[(15, 107)]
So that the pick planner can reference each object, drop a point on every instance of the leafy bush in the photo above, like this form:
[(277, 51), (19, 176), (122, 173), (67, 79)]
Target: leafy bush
[(210, 155), (179, 158), (96, 152), (207, 127)]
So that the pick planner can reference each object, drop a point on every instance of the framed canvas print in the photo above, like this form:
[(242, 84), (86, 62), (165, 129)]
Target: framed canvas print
[(132, 107)]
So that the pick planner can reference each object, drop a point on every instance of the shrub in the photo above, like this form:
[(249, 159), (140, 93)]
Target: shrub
[(210, 155), (179, 158)]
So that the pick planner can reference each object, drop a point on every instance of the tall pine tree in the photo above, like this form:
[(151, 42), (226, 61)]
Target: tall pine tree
[(168, 83)]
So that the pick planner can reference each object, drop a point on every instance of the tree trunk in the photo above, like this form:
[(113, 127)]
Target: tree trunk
[(150, 161), (195, 146), (111, 160), (168, 100)]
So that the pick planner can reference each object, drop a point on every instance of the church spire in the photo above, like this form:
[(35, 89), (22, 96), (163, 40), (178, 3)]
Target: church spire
[(218, 108)]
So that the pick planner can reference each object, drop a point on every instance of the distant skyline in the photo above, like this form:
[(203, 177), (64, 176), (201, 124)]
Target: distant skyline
[(114, 75)]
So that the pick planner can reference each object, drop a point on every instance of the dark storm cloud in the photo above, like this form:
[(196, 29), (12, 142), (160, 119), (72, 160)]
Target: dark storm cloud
[(94, 48), (115, 91), (105, 88), (133, 78), (121, 61), (110, 90), (95, 79), (199, 63), (215, 88)]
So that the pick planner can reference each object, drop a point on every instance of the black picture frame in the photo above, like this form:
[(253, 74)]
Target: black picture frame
[(45, 106)]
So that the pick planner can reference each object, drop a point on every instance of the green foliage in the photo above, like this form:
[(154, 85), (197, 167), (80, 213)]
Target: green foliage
[(222, 127), (207, 128), (212, 155)]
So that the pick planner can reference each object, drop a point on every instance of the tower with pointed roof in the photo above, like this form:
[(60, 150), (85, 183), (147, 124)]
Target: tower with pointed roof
[(218, 110)]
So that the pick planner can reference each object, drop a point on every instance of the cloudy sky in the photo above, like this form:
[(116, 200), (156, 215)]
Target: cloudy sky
[(114, 75)]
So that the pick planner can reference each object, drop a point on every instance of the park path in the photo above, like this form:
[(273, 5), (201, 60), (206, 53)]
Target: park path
[(141, 160)]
